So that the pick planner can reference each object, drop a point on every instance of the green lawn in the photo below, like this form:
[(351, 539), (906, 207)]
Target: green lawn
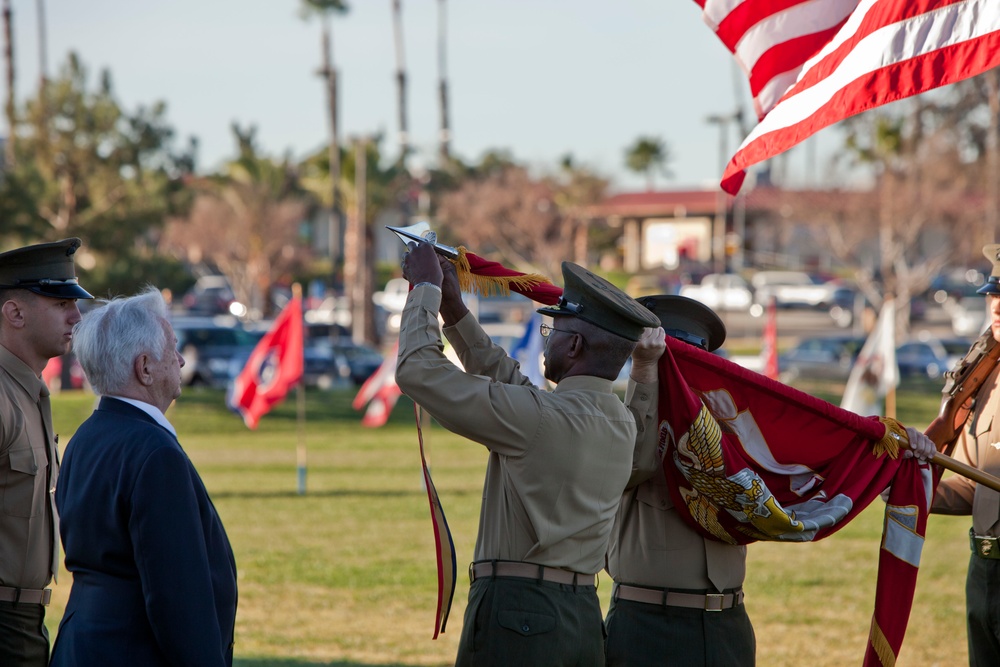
[(345, 575)]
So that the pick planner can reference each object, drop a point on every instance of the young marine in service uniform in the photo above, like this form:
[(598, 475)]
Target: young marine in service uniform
[(979, 446), (38, 293)]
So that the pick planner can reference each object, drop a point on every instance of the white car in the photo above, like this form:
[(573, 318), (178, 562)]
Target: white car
[(791, 288), (721, 291), (969, 316)]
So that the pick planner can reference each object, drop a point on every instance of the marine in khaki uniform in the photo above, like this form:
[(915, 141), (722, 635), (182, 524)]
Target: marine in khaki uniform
[(979, 446), (558, 460), (38, 293), (678, 597)]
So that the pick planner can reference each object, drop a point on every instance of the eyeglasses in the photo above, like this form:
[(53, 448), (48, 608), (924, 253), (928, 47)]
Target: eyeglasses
[(546, 330)]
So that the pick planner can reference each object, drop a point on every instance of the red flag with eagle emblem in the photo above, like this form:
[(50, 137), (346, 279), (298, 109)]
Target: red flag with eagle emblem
[(753, 459), (274, 367)]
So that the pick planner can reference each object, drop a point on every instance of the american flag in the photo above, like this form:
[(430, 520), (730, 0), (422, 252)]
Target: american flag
[(813, 63)]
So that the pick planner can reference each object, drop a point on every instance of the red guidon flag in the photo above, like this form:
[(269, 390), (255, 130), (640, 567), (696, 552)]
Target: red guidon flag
[(813, 63), (753, 459), (274, 367), (379, 392)]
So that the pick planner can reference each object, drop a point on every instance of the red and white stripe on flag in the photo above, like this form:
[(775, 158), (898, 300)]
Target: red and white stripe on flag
[(772, 40), (885, 51)]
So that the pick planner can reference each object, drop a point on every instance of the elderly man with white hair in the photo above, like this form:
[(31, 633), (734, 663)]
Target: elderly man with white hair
[(154, 578)]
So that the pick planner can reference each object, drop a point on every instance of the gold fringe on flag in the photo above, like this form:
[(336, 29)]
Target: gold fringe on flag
[(881, 646), (895, 433), (490, 285)]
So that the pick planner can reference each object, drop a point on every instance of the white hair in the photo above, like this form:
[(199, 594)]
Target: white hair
[(110, 337)]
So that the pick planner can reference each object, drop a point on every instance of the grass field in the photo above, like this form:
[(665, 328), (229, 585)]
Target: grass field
[(345, 576)]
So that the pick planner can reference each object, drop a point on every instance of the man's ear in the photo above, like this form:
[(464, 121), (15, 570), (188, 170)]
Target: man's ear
[(12, 313), (576, 347), (141, 369)]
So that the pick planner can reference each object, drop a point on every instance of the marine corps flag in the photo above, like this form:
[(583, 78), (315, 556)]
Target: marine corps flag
[(274, 367), (752, 459), (379, 392)]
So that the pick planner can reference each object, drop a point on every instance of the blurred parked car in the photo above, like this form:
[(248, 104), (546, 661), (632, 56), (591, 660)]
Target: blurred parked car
[(821, 358), (328, 364), (956, 348), (952, 286), (721, 291), (849, 304), (792, 288), (969, 315), (922, 358), (212, 295), (208, 345)]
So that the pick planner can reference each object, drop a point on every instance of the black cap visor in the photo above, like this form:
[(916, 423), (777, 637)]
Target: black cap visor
[(55, 288)]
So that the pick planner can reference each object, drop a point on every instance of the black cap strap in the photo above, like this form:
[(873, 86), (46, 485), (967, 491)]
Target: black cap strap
[(575, 308), (47, 282), (687, 337)]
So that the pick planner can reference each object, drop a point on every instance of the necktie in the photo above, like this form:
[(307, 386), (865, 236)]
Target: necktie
[(45, 408), (716, 564)]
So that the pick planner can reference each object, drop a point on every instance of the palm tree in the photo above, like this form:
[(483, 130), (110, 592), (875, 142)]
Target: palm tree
[(397, 31), (325, 9), (647, 156), (445, 138), (8, 53)]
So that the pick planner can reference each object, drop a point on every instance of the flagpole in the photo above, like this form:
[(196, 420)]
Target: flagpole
[(300, 456), (890, 392), (300, 405)]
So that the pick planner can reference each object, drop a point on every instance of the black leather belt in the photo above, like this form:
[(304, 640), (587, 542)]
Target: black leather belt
[(507, 568), (26, 595), (665, 598), (984, 546)]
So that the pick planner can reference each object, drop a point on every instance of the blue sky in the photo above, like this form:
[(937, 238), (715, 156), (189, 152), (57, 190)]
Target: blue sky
[(539, 77)]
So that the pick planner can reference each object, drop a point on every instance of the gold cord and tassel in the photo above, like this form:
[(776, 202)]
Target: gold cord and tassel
[(895, 434), (490, 285)]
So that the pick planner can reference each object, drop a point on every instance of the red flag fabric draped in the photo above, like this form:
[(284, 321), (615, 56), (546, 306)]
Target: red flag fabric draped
[(752, 459), (824, 61), (274, 367), (484, 276)]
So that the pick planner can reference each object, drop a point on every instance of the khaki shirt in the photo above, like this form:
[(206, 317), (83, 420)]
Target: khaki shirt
[(29, 544), (651, 545), (558, 460), (979, 447)]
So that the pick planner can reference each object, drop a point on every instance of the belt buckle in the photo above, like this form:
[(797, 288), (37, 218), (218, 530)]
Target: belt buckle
[(986, 545), (472, 573), (718, 598)]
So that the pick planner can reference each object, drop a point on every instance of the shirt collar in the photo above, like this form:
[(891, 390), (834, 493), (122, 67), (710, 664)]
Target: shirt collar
[(21, 373), (150, 410)]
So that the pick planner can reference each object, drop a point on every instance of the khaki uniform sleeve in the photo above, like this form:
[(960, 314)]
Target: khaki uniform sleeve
[(503, 417), (955, 493), (480, 355), (641, 399)]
